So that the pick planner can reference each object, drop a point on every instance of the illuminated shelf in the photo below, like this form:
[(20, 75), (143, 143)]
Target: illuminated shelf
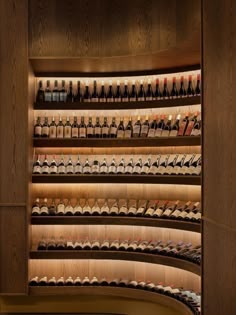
[(121, 179), (114, 142), (185, 101), (116, 220)]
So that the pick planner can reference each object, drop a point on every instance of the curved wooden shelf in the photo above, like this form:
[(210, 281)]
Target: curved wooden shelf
[(118, 179), (111, 142), (117, 255), (185, 101), (116, 220), (130, 293)]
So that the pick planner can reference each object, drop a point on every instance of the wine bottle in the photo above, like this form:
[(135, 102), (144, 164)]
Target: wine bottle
[(114, 245), (185, 170), (55, 92), (90, 128), (175, 128), (170, 209), (162, 165), (42, 245), (129, 167), (82, 128), (112, 167), (87, 167), (113, 128), (103, 282), (149, 286), (123, 245), (105, 209), (95, 168), (45, 128), (154, 167), (52, 244), (141, 208), (184, 212), (114, 283), (146, 167), (44, 207), (75, 128), (60, 208), (121, 129), (132, 284), (60, 129), (123, 209), (78, 210), (48, 92), (78, 96), (40, 94), (37, 169), (137, 128), (45, 166), (178, 165), (87, 96), (196, 131), (183, 125), (110, 94), (125, 95), (195, 167), (141, 285), (165, 92), (133, 93), (174, 93), (38, 128), (87, 243), (132, 209), (142, 245), (77, 281), (190, 90), (105, 245), (114, 210), (160, 126), (153, 127), (191, 124), (96, 209), (78, 245), (94, 97), (94, 281), (105, 129), (137, 167), (69, 210), (179, 210), (102, 95), (69, 282), (198, 86), (104, 167), (121, 167), (67, 128), (160, 209), (70, 94), (144, 128), (182, 91), (60, 282), (61, 166), (61, 244), (43, 281), (69, 166), (169, 170), (132, 246), (36, 208), (97, 129), (52, 282), (157, 94), (62, 93), (53, 129), (167, 128), (118, 92), (149, 94), (52, 208), (53, 166), (151, 208), (141, 92), (129, 129)]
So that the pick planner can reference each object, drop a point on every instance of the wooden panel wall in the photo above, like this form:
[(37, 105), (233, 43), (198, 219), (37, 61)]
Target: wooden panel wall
[(13, 145), (219, 225)]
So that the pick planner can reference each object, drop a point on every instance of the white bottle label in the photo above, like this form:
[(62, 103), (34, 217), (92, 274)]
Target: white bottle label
[(165, 133), (105, 130), (102, 100), (158, 212), (113, 130), (136, 129), (145, 169), (36, 209), (149, 98), (61, 169), (44, 209), (144, 129), (158, 132), (176, 170), (69, 209), (153, 169), (112, 169), (95, 168), (190, 215), (197, 170), (37, 169), (120, 134), (97, 130), (53, 169), (132, 210), (161, 169), (75, 132), (176, 213), (45, 130), (114, 209), (78, 169), (141, 98), (82, 132), (52, 131), (103, 169), (70, 244), (48, 96), (127, 133), (87, 169), (69, 169), (150, 211), (60, 130), (89, 130), (78, 209), (140, 210), (132, 99), (55, 96), (38, 130), (110, 99), (125, 99), (128, 169), (198, 216), (117, 99), (169, 169), (105, 210), (120, 169), (62, 96), (95, 209), (45, 169), (183, 214), (151, 133), (123, 209), (94, 99), (67, 131), (167, 212), (173, 133), (137, 169)]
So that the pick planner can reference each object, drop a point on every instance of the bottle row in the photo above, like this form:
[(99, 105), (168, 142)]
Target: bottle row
[(181, 250), (162, 127), (188, 297), (171, 164), (176, 210), (126, 93)]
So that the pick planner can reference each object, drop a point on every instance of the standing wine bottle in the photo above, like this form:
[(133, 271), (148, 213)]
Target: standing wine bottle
[(104, 167), (183, 125), (113, 128), (118, 92), (137, 167), (37, 167), (61, 166), (154, 167), (167, 128), (48, 92), (82, 128), (78, 167), (102, 95), (70, 94), (105, 129), (60, 129), (69, 166), (94, 97), (121, 167), (137, 128), (40, 94), (36, 208), (78, 97), (174, 93), (141, 92), (44, 208), (125, 95), (95, 168), (146, 167), (53, 166), (75, 128), (90, 128), (160, 126), (165, 92), (97, 129), (53, 129), (45, 166), (45, 128), (87, 96), (157, 94), (198, 86), (149, 94), (175, 128), (55, 92), (87, 167), (110, 94), (190, 90), (152, 127), (112, 167), (144, 128), (182, 91), (191, 124), (38, 128), (63, 93), (129, 167), (133, 93), (67, 128), (129, 129), (121, 129), (52, 208)]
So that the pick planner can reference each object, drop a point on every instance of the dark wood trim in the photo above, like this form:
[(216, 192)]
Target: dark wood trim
[(115, 220), (118, 255), (119, 179), (110, 142), (185, 101)]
